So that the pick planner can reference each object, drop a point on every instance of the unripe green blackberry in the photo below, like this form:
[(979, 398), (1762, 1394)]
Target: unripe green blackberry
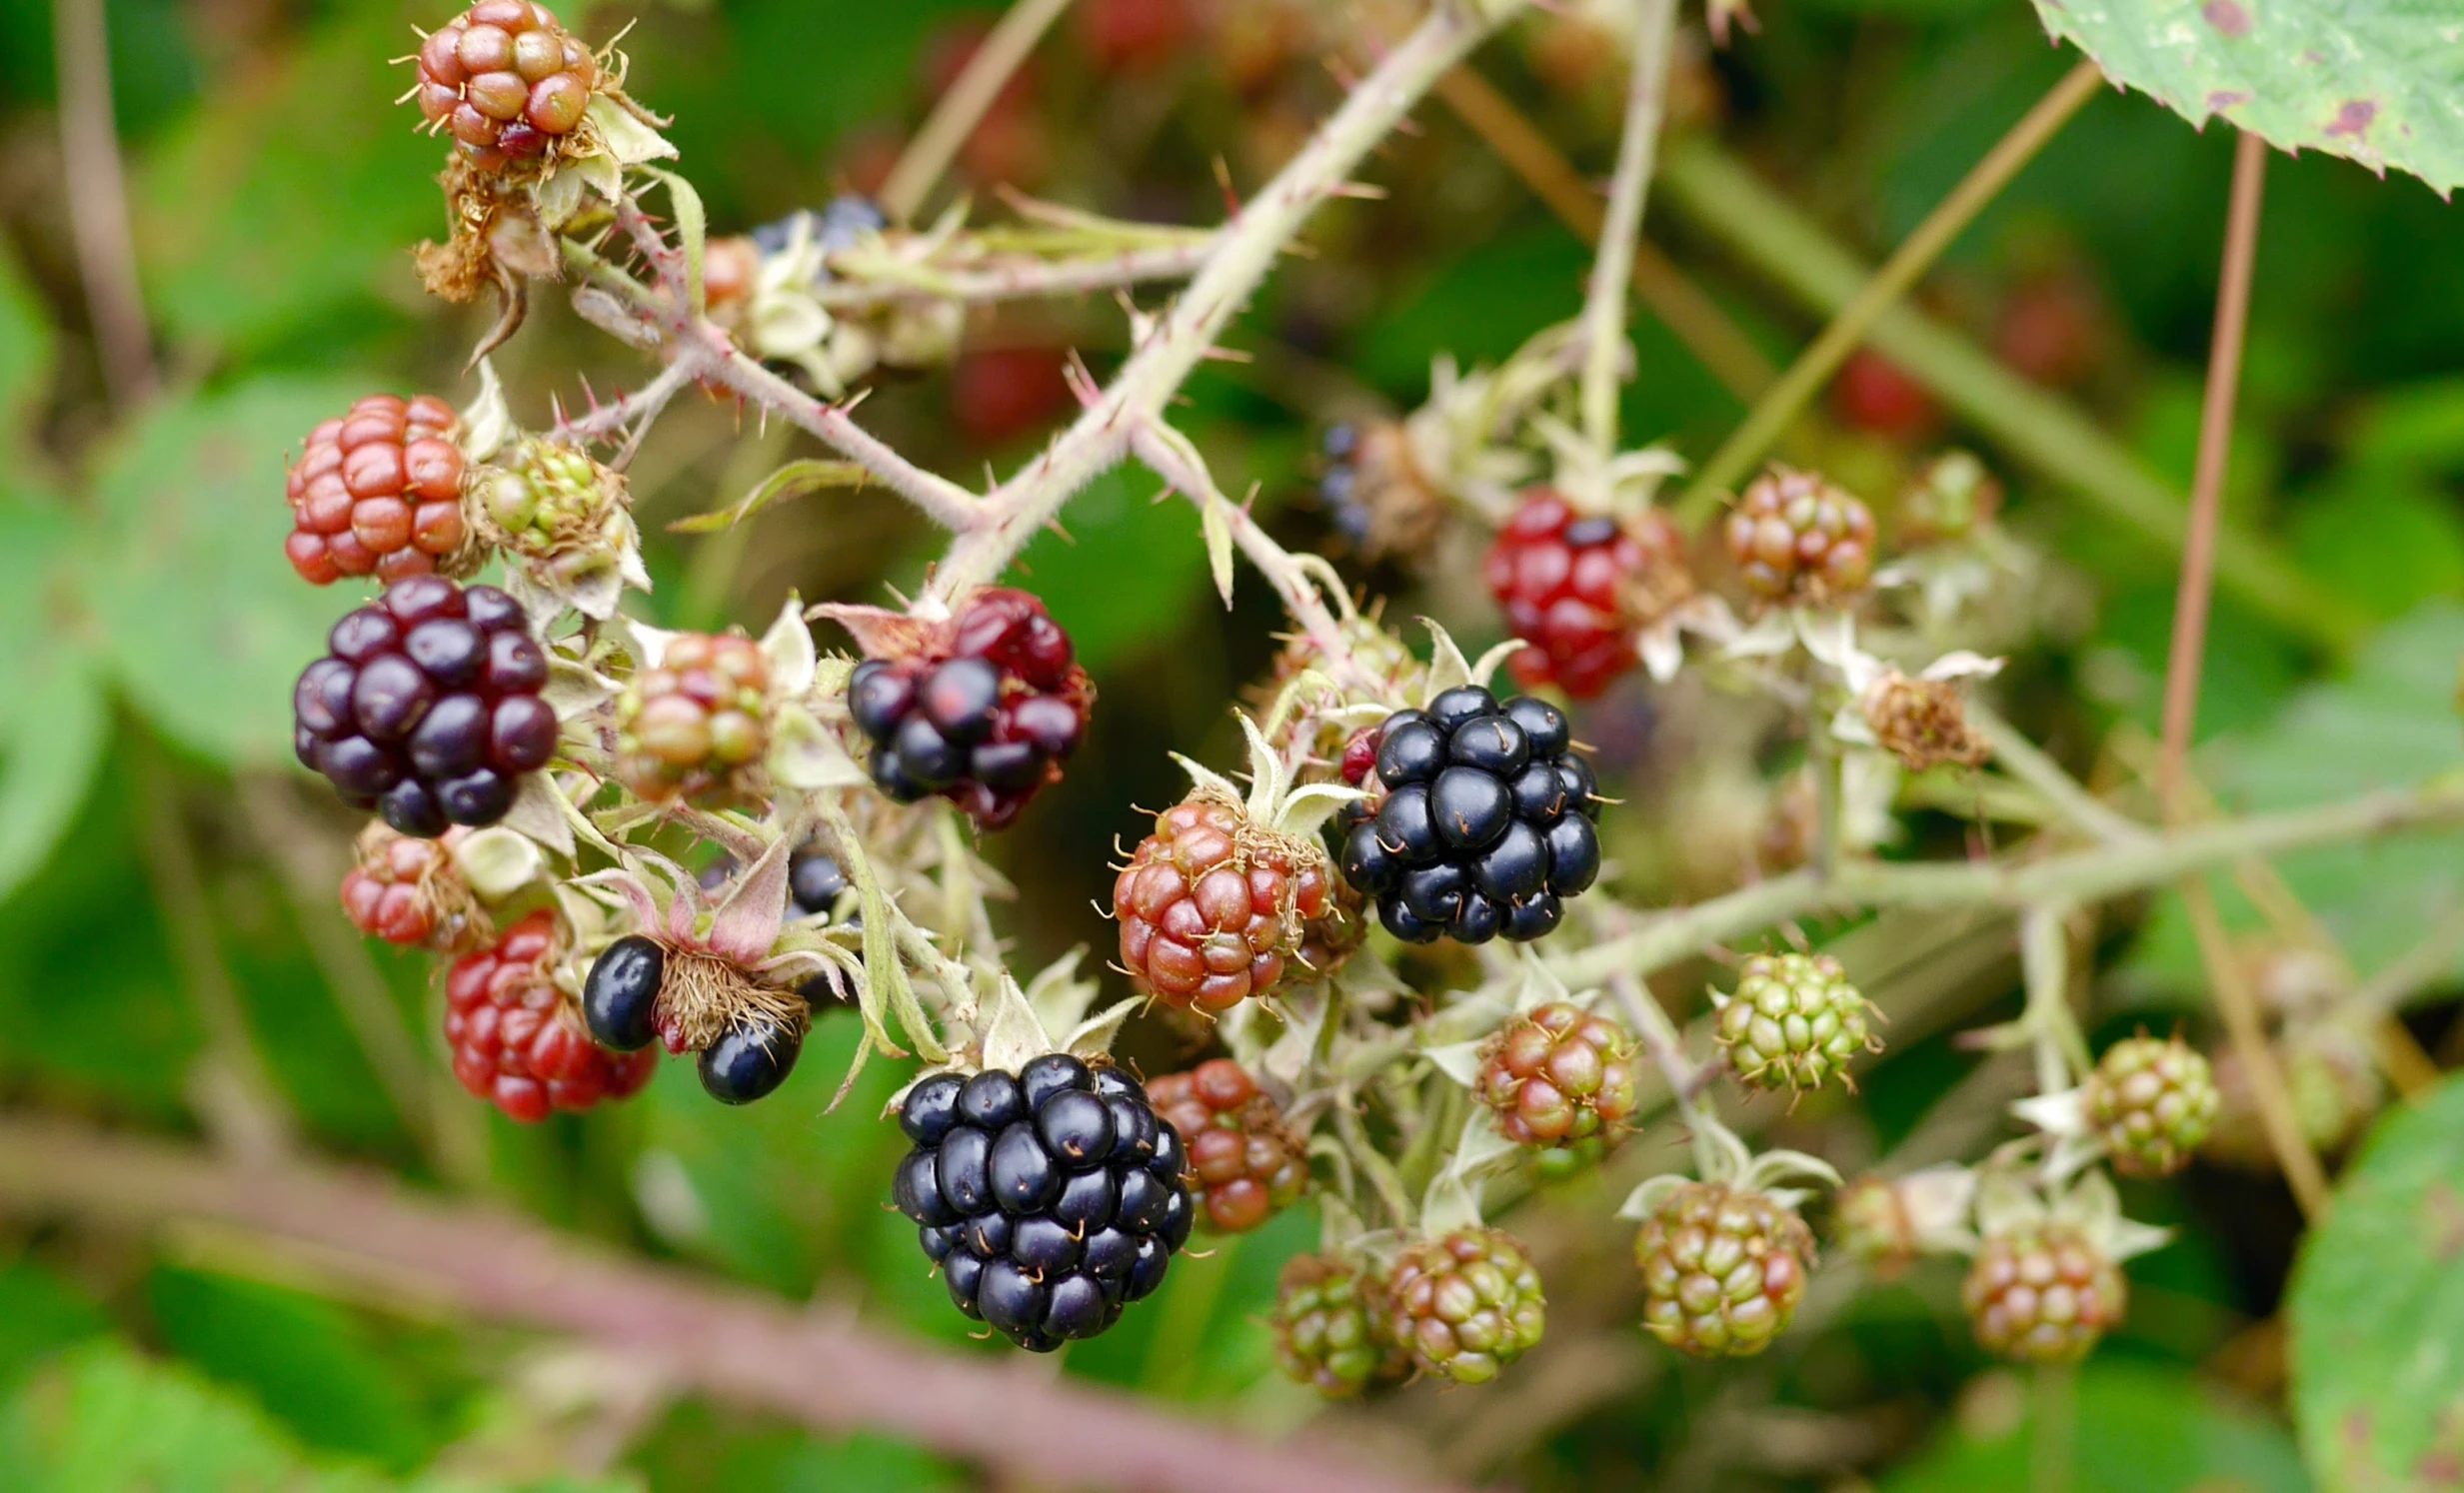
[(1561, 1081), (1794, 1022), (558, 512), (2154, 1100), (2042, 1294), (1330, 1327), (687, 726), (1722, 1270), (1469, 1304)]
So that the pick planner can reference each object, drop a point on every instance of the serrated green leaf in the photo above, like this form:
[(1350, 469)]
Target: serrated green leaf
[(205, 621), (2380, 82), (2389, 723), (2376, 1309), (2135, 1428)]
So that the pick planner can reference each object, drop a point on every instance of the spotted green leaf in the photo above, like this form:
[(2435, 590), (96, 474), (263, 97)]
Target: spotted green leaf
[(2380, 82), (2377, 1310)]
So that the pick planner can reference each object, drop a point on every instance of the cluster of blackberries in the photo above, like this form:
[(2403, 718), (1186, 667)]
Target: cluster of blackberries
[(1487, 825), (428, 707), (984, 724), (620, 1005), (1051, 1198)]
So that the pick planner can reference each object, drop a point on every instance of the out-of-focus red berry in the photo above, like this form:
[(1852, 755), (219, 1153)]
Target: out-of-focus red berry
[(1000, 393), (1871, 393)]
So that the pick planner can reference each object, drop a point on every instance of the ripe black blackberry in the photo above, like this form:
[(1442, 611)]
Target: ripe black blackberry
[(428, 709), (1487, 825), (1051, 1198), (983, 715), (813, 882)]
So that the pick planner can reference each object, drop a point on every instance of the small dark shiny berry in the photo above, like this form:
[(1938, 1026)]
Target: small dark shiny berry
[(412, 810), (480, 797), (1517, 867), (1367, 864), (1460, 703), (1075, 1129), (449, 651), (492, 611), (1405, 828), (1135, 1127), (1146, 1272), (1143, 1202), (1044, 1245), (522, 733), (937, 1242), (452, 740), (1529, 919), (891, 777), (916, 1189), (362, 636), (359, 766), (1476, 920), (963, 1274), (1009, 1299), (1412, 751), (321, 701), (1407, 924), (1112, 1083), (1543, 725), (931, 1108), (1110, 1251), (1172, 1155), (1025, 1176), (966, 1184), (1050, 723), (990, 1101), (1178, 1219), (1434, 892), (1053, 1073), (1574, 854), (1582, 789), (1491, 744), (1076, 1309), (389, 697), (925, 755), (879, 696), (620, 998), (1538, 792), (1086, 1201), (960, 696), (750, 1059), (988, 1234), (1469, 809), (415, 599)]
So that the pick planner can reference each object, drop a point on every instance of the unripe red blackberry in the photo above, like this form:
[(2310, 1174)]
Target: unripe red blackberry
[(983, 717), (1799, 539), (1467, 1305), (1567, 582), (1381, 499), (2042, 1294), (1874, 394), (428, 709), (378, 492), (2153, 1101), (1214, 910), (1049, 1198), (1330, 1325), (1794, 1022), (517, 1040), (690, 725), (408, 891), (1487, 825), (1722, 1270), (506, 80), (1244, 1165), (1561, 1081)]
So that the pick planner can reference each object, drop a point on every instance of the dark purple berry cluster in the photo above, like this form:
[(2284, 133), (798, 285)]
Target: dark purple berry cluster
[(985, 726), (1049, 1198), (1487, 825), (428, 709)]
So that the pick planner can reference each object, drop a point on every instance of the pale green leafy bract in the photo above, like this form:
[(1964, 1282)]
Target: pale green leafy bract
[(2378, 81), (2390, 723), (2376, 1309), (102, 1419), (205, 621)]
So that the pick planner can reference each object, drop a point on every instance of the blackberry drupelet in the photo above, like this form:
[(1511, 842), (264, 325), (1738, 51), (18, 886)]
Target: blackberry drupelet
[(984, 724), (1049, 1198), (428, 709), (1487, 827)]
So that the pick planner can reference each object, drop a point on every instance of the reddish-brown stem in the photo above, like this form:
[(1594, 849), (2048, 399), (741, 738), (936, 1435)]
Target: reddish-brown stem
[(2236, 1000), (814, 1364)]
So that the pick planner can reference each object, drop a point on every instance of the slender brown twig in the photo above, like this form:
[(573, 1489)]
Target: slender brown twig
[(2234, 999), (815, 1363), (97, 201), (970, 97)]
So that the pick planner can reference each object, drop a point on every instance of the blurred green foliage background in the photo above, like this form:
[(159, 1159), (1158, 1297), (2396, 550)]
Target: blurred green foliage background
[(164, 891)]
